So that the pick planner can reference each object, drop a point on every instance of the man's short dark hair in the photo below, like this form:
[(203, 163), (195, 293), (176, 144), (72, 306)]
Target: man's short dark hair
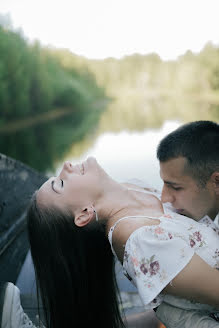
[(198, 142)]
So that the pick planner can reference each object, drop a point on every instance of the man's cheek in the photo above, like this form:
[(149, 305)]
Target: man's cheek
[(185, 201)]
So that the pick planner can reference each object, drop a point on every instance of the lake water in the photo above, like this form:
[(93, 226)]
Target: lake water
[(127, 155)]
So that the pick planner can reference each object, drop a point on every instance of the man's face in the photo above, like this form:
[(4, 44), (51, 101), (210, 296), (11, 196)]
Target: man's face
[(183, 192)]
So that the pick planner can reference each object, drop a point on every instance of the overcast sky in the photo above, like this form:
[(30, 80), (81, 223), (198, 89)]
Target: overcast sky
[(114, 28)]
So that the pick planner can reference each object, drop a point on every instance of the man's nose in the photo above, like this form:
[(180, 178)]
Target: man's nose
[(166, 195)]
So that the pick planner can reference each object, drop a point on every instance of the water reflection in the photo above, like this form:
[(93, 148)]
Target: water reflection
[(127, 155)]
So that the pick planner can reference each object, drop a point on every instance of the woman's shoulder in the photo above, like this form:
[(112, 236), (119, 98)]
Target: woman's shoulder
[(126, 228)]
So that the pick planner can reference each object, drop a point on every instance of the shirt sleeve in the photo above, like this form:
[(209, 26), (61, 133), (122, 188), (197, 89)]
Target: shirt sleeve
[(153, 257)]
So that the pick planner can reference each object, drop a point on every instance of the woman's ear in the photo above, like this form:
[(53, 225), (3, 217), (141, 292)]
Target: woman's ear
[(84, 217)]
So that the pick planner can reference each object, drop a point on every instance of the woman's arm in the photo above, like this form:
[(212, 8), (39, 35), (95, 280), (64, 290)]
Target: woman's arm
[(198, 281)]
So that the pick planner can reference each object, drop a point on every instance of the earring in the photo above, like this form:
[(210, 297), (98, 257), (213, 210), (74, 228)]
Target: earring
[(97, 219)]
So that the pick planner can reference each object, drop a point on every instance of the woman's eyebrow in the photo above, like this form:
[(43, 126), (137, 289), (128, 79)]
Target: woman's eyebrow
[(52, 184)]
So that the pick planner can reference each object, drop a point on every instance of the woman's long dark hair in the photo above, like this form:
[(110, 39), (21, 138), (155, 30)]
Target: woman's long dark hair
[(74, 269)]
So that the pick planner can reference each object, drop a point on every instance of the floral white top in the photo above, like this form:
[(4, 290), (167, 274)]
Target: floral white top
[(155, 254)]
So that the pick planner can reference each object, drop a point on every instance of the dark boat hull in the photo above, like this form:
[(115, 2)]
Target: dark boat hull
[(17, 184)]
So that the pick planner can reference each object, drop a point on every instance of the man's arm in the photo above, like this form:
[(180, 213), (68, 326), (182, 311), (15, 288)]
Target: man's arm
[(198, 282)]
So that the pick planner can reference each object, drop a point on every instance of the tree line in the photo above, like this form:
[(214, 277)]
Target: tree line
[(51, 98), (44, 106), (147, 90)]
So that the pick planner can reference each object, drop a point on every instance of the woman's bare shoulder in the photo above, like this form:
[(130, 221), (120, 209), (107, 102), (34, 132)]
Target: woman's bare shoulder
[(125, 228)]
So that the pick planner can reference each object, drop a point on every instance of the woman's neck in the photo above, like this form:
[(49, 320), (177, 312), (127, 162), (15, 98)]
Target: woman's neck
[(114, 200), (118, 201)]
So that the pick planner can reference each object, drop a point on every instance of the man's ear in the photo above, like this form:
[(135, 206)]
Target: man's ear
[(215, 180), (84, 217)]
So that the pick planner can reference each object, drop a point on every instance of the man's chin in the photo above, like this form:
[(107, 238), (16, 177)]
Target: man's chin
[(188, 215), (183, 212), (180, 211)]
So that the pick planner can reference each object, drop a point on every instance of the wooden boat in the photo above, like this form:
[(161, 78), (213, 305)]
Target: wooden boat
[(17, 183)]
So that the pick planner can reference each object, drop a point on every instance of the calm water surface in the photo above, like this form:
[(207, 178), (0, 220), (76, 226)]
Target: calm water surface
[(127, 155)]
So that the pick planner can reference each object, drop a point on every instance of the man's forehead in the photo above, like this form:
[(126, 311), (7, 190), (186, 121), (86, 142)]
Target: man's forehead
[(173, 170)]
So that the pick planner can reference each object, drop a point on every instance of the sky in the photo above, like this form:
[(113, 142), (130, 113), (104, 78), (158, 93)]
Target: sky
[(115, 28)]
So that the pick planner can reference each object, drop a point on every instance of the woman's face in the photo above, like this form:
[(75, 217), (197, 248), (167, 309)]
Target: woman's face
[(76, 187)]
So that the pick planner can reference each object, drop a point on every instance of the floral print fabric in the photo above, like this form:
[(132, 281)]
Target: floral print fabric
[(155, 254)]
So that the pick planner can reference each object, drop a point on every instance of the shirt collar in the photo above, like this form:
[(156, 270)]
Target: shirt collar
[(207, 220)]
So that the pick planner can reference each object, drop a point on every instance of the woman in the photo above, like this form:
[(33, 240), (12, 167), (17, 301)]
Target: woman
[(69, 220)]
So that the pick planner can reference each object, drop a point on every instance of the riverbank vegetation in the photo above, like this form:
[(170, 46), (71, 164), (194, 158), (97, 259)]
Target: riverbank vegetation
[(44, 106), (51, 98), (146, 90)]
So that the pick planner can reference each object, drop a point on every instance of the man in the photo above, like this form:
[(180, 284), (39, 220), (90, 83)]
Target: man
[(189, 167)]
